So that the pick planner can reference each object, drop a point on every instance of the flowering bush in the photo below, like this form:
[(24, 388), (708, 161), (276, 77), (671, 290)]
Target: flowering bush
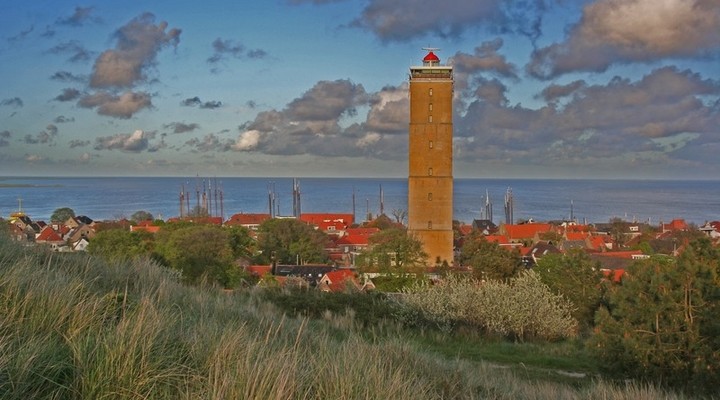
[(522, 308)]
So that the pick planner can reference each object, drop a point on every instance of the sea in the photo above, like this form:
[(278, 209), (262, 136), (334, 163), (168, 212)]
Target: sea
[(584, 200)]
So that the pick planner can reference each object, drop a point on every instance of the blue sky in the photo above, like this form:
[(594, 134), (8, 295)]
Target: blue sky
[(543, 88)]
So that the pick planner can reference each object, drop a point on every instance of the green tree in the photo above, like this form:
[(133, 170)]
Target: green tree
[(578, 278), (393, 250), (661, 323), (140, 216), (488, 260), (62, 214), (200, 252), (121, 244), (291, 241), (242, 244)]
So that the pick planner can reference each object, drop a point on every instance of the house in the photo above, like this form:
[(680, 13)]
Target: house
[(711, 229), (145, 226), (486, 226), (676, 225), (531, 255), (529, 232), (82, 231), (613, 275), (331, 224), (311, 273), (74, 222), (250, 221), (50, 237), (259, 270), (338, 280), (80, 245), (614, 260), (348, 246)]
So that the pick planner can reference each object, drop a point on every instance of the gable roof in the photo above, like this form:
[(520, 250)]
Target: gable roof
[(247, 219), (525, 231), (48, 234), (336, 280)]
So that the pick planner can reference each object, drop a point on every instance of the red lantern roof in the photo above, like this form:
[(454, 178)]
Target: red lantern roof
[(431, 57)]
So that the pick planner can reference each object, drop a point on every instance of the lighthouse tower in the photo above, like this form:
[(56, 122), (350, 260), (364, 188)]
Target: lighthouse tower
[(430, 177)]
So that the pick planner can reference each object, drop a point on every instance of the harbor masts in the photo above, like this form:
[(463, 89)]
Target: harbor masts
[(509, 207)]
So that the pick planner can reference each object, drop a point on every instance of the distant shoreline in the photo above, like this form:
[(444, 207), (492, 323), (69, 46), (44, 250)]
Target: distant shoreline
[(24, 185)]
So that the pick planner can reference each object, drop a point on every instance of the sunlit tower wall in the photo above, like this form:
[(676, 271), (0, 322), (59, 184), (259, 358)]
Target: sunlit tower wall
[(430, 175)]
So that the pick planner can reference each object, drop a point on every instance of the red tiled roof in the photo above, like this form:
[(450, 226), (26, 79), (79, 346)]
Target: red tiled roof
[(676, 225), (499, 239), (465, 229), (247, 219), (259, 270), (576, 235), (578, 228), (145, 228), (525, 231), (338, 277), (48, 234), (362, 231), (613, 274), (318, 218), (597, 242)]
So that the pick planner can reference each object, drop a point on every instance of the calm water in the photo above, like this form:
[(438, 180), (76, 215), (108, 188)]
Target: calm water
[(541, 199)]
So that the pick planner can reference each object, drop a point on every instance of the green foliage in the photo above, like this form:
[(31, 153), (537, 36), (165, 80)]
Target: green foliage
[(290, 240), (121, 244), (522, 309), (392, 250), (200, 252), (578, 278), (241, 243), (488, 260), (62, 214), (367, 308), (397, 282), (140, 216), (79, 327), (662, 321)]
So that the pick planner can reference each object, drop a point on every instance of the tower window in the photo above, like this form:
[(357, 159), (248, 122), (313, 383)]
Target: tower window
[(430, 196), (430, 106), (429, 118), (430, 171), (430, 92), (431, 144), (429, 224)]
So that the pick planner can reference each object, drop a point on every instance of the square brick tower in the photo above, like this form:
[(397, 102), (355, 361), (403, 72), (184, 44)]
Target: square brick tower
[(430, 178)]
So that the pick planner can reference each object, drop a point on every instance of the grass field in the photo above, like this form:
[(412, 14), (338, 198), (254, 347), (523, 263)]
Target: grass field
[(77, 327)]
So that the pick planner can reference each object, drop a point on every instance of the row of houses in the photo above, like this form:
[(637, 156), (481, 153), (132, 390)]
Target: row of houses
[(74, 234), (609, 243)]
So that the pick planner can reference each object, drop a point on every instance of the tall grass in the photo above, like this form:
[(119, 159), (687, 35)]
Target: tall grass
[(77, 327)]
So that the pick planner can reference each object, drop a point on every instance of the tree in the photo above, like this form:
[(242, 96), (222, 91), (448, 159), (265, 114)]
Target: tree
[(488, 260), (241, 243), (121, 244), (399, 215), (661, 323), (200, 252), (577, 277), (140, 216), (62, 214), (291, 241), (393, 250)]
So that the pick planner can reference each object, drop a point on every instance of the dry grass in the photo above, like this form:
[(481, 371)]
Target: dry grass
[(75, 327)]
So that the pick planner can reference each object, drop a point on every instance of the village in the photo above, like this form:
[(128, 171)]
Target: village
[(614, 245)]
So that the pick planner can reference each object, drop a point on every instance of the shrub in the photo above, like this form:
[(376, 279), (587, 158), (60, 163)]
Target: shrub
[(523, 308)]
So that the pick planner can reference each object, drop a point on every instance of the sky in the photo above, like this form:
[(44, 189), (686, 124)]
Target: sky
[(319, 88)]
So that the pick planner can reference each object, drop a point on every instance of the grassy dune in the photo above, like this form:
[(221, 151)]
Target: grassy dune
[(77, 327)]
